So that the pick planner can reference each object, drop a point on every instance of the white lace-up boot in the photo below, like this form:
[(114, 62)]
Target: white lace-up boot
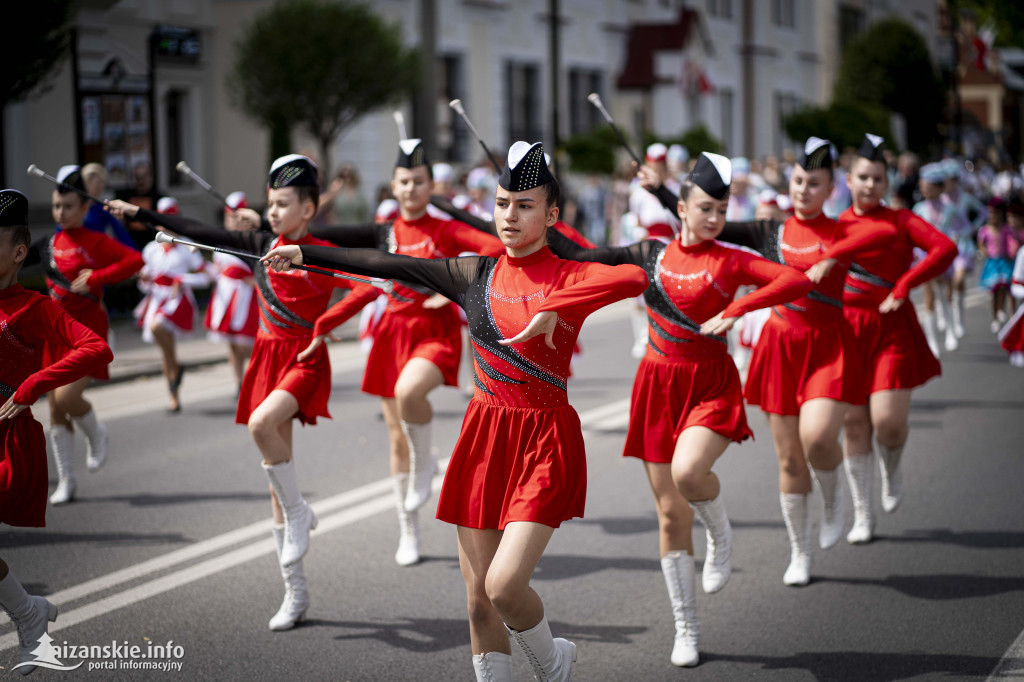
[(718, 531), (62, 443), (493, 666), (299, 518), (892, 476), (30, 615), (930, 335), (552, 659), (860, 473), (408, 525), (96, 440), (798, 524), (681, 580), (422, 464), (296, 595), (833, 518), (638, 318), (958, 315)]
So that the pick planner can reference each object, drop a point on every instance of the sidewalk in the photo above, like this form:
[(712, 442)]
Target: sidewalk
[(134, 359)]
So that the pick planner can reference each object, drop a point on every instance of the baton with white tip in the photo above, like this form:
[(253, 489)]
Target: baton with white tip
[(595, 99), (384, 285), (400, 123), (183, 168), (456, 104), (39, 173)]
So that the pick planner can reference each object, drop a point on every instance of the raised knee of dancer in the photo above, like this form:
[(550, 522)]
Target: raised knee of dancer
[(690, 481), (891, 432), (504, 593), (261, 428)]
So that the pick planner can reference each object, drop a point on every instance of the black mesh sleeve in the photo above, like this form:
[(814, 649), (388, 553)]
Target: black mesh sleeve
[(250, 241), (463, 216), (667, 198), (758, 235), (368, 236), (634, 254), (450, 277)]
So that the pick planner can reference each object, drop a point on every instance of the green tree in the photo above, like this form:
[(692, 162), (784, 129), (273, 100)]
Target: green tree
[(889, 65), (1006, 15), (320, 65), (593, 152), (696, 140), (842, 123), (38, 40)]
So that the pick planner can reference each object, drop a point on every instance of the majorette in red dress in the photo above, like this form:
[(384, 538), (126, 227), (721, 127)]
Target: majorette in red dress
[(29, 322), (894, 351), (686, 378), (536, 470), (807, 349), (293, 309), (64, 256)]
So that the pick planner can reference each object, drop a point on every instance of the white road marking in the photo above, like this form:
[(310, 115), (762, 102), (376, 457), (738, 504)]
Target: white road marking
[(370, 499), (1011, 665)]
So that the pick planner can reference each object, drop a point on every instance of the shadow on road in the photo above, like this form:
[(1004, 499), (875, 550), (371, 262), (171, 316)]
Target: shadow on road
[(562, 566), (942, 405), (154, 500), (976, 539), (856, 666), (942, 586), (622, 525), (41, 539)]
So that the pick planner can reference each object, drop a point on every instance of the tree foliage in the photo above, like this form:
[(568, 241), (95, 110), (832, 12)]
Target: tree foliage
[(593, 152), (696, 140), (842, 123), (889, 65), (320, 65), (36, 42), (1006, 15)]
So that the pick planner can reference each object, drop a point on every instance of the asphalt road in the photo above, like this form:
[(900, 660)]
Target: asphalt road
[(171, 542)]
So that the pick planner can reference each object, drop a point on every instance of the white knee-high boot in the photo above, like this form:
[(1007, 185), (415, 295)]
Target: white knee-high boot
[(493, 666), (892, 476), (834, 513), (798, 525), (62, 443), (638, 318), (930, 335), (296, 595), (552, 659), (860, 473), (718, 532), (96, 440), (408, 525), (299, 518), (958, 315), (30, 615), (422, 464), (680, 578)]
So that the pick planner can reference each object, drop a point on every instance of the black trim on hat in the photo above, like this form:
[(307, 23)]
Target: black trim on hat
[(817, 154), (293, 170), (13, 208), (526, 168), (411, 154), (872, 148), (712, 177)]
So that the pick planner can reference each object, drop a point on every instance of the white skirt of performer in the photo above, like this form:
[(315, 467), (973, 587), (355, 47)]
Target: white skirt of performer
[(175, 312), (232, 315)]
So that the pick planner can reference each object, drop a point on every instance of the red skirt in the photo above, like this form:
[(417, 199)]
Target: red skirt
[(1011, 336), (536, 471), (273, 366), (95, 318), (893, 349), (672, 395), (792, 364), (23, 474), (433, 335)]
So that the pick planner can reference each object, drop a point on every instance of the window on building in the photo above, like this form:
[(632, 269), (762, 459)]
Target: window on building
[(523, 106), (784, 13), (175, 115), (786, 103), (851, 23), (720, 8), (583, 116), (726, 100), (452, 133)]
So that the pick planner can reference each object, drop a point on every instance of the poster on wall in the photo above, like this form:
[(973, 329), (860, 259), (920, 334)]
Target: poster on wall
[(91, 120), (117, 170)]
